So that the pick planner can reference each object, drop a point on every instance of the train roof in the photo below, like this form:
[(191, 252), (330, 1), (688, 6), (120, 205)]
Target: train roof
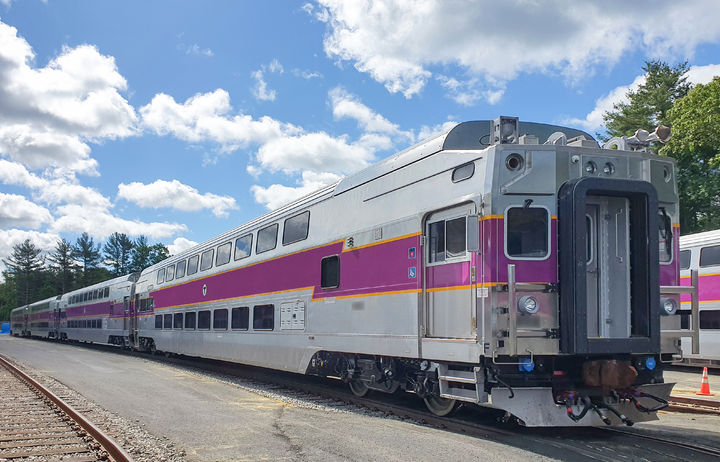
[(463, 136), (699, 239)]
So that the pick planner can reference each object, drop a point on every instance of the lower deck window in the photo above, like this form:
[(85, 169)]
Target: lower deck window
[(527, 231), (178, 321), (190, 320), (204, 319), (263, 317), (220, 319), (168, 321), (710, 319), (158, 321), (241, 318)]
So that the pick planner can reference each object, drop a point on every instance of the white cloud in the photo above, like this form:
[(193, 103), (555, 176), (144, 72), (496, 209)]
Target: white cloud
[(593, 121), (306, 74), (175, 195), (427, 132), (50, 113), (277, 195), (17, 211), (400, 43), (99, 223), (206, 117), (261, 90), (195, 49), (16, 174), (180, 244), (12, 237), (313, 151), (60, 191), (346, 105)]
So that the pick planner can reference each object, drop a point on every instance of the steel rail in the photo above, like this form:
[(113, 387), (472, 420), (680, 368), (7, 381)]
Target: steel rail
[(693, 447), (108, 445)]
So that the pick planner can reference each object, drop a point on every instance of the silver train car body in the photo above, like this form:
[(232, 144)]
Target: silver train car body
[(701, 252), (479, 266)]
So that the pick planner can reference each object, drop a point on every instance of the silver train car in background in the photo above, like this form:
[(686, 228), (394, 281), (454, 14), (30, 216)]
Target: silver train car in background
[(507, 264), (701, 252)]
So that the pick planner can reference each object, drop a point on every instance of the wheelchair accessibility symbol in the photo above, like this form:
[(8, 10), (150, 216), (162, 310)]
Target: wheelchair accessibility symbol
[(411, 273)]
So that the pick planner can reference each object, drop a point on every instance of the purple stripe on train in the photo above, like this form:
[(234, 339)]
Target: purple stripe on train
[(708, 288)]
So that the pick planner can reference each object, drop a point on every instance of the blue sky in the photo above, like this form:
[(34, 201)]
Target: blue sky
[(179, 120)]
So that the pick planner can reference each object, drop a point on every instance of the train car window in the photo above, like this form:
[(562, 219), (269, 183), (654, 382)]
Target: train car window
[(455, 237), (160, 275), (436, 238), (220, 319), (710, 256), (192, 265), (180, 269), (206, 259), (527, 230), (178, 320), (666, 236), (204, 319), (267, 239), (167, 324), (330, 272), (263, 317), (710, 319), (241, 318), (684, 259), (190, 320), (107, 292), (170, 273), (463, 172), (223, 254), (243, 247), (296, 228), (86, 295)]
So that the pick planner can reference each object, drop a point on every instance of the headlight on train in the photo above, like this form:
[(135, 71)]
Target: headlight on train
[(669, 306), (528, 305)]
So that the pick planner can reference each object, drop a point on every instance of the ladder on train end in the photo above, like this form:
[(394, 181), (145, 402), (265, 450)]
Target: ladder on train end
[(462, 384)]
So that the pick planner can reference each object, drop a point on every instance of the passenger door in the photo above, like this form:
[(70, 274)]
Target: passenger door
[(449, 273)]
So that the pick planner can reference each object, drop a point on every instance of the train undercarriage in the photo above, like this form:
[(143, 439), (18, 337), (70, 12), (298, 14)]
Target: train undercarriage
[(544, 391)]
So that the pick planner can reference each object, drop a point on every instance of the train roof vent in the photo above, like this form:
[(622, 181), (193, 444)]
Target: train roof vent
[(582, 142)]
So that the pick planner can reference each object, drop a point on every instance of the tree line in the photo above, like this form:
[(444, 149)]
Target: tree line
[(31, 276)]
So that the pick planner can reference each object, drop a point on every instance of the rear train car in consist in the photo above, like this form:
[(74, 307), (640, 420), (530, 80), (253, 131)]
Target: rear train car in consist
[(503, 263), (701, 252)]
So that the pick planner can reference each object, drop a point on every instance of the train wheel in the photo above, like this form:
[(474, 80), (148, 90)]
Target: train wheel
[(358, 388), (440, 406)]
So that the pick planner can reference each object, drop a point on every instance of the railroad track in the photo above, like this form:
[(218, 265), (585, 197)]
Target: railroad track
[(36, 424)]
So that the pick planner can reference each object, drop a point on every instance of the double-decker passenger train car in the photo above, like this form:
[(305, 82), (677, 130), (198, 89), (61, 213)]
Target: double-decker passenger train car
[(701, 252), (516, 265)]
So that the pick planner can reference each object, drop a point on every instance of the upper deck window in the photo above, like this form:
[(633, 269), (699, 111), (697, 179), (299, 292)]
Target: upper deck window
[(169, 273), (710, 256), (527, 231), (206, 260), (684, 259), (267, 238), (296, 228), (160, 275), (243, 246), (192, 265), (223, 254), (180, 269), (666, 236)]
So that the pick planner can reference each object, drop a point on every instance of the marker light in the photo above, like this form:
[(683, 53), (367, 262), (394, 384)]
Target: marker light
[(590, 167), (609, 168), (528, 305), (650, 363), (669, 306)]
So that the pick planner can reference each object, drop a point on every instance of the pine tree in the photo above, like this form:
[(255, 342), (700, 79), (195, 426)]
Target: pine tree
[(88, 254), (140, 255), (25, 266), (158, 253), (117, 252), (64, 265)]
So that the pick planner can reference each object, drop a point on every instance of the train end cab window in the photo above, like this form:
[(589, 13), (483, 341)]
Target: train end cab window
[(665, 236), (190, 320), (168, 321), (263, 317), (330, 272), (527, 231), (448, 239), (178, 321), (241, 318)]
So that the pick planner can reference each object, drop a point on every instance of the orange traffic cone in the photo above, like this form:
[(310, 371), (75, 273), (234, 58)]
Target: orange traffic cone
[(705, 385)]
